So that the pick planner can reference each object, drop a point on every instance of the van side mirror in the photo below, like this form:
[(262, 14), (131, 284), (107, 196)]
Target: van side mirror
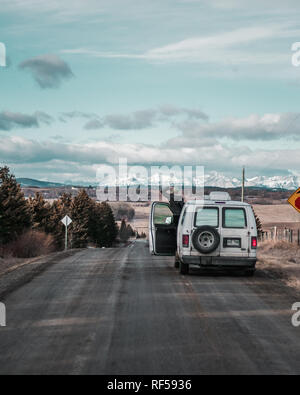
[(168, 220)]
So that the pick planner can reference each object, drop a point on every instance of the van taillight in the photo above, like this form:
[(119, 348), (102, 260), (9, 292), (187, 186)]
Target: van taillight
[(254, 242), (185, 240)]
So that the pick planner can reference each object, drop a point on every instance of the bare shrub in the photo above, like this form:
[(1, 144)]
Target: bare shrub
[(270, 245), (29, 245)]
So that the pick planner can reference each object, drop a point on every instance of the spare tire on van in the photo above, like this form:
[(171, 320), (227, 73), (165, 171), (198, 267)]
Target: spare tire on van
[(206, 239)]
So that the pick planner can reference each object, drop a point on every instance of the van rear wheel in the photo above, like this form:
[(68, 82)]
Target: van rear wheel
[(176, 262), (249, 272), (183, 268)]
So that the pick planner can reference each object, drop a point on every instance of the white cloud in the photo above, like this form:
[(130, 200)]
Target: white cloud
[(137, 120), (48, 70), (67, 10), (55, 157), (11, 120), (270, 5), (268, 127), (221, 48)]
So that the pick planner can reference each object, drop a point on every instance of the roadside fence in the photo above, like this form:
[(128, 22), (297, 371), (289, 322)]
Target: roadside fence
[(286, 234)]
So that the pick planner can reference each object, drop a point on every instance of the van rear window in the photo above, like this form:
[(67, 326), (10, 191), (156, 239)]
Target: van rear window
[(207, 216), (234, 218)]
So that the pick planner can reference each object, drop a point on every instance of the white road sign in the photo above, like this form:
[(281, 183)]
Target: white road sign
[(66, 220)]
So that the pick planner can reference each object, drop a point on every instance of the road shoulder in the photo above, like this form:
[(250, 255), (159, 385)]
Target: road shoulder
[(21, 274)]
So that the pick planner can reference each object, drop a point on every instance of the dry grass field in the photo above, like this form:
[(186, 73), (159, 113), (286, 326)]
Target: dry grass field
[(280, 215), (280, 260), (141, 218)]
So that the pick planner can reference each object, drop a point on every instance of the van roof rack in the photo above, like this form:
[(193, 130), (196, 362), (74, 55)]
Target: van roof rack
[(219, 196)]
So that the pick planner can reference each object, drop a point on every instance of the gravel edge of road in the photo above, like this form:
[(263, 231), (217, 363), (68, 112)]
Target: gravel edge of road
[(280, 276), (23, 274)]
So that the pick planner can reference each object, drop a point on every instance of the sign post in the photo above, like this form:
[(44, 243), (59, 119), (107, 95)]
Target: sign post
[(66, 221), (243, 184)]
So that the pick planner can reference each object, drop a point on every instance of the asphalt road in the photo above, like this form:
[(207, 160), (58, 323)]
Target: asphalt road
[(122, 311)]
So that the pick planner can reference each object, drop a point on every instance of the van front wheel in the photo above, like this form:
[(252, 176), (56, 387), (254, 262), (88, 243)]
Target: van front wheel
[(183, 268)]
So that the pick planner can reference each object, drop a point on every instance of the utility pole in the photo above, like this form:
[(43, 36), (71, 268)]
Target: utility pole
[(243, 184)]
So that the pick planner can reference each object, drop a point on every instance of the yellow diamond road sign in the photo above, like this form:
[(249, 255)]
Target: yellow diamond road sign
[(294, 200)]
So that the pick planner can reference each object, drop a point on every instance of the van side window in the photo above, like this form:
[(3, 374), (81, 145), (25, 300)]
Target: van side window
[(183, 216), (162, 214), (207, 216), (234, 218)]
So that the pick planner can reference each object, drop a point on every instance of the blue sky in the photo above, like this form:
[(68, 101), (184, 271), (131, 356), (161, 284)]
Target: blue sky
[(158, 82)]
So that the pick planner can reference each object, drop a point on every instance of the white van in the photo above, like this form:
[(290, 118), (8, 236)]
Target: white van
[(214, 232)]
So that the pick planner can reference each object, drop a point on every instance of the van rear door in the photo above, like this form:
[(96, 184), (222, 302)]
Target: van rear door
[(235, 232), (162, 229)]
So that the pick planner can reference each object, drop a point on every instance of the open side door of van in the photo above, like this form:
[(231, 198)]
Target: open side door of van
[(162, 229)]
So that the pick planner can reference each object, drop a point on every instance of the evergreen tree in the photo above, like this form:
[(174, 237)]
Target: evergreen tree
[(123, 231), (103, 229), (15, 214), (81, 211), (258, 225), (130, 231), (41, 213), (66, 203), (109, 223), (59, 209), (56, 227), (97, 229)]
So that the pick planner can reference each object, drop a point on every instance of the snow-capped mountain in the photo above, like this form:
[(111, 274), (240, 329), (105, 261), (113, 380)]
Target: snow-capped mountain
[(216, 179), (282, 182), (211, 179)]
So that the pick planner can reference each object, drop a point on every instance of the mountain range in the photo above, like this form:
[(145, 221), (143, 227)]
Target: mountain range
[(213, 179)]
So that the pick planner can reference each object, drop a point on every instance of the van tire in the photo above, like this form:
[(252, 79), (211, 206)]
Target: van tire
[(176, 262), (249, 272), (213, 238), (183, 268)]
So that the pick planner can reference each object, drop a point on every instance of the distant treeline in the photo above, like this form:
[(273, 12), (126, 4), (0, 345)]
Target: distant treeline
[(122, 210), (253, 194), (92, 222)]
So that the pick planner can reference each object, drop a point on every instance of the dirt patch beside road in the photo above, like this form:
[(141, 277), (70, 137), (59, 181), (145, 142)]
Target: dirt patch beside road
[(7, 264), (280, 260)]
